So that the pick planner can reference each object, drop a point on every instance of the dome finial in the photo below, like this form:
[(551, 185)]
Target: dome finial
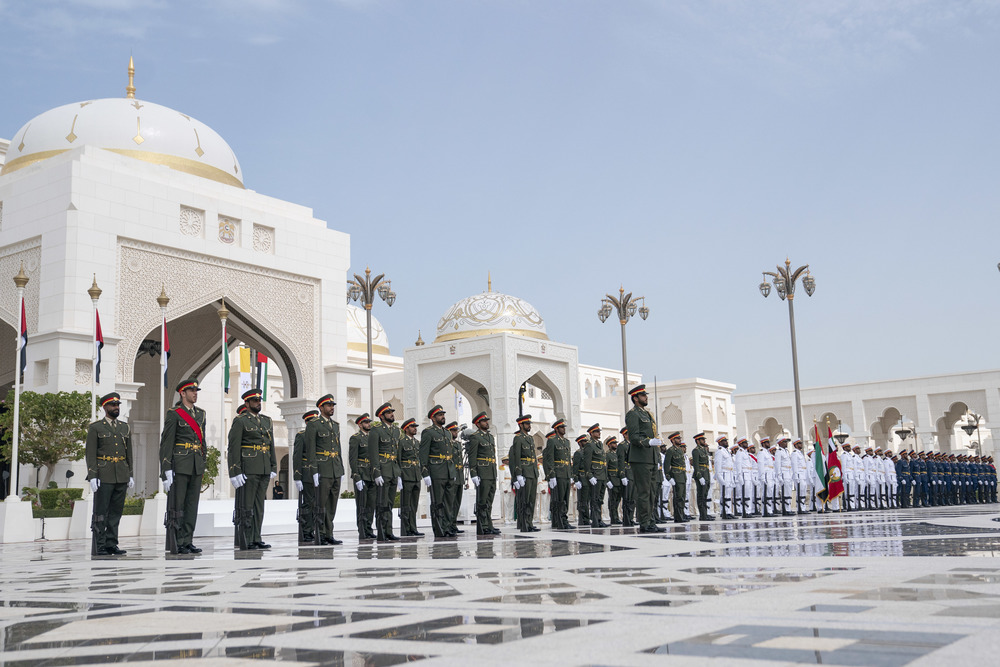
[(489, 282), (420, 341), (130, 89)]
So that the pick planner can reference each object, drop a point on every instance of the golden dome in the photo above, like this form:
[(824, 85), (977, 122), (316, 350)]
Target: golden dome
[(490, 313)]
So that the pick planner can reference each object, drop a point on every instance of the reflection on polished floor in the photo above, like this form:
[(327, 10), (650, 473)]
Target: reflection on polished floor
[(909, 587)]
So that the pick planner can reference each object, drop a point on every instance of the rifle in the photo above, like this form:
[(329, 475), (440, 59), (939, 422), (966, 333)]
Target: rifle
[(96, 528), (319, 517), (302, 515), (361, 502), (170, 520), (239, 520), (380, 503)]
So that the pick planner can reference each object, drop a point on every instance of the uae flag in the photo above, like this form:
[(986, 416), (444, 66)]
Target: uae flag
[(834, 476), (98, 345), (22, 341), (819, 460), (166, 351), (262, 374)]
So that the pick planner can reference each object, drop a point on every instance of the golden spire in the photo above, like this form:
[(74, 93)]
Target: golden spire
[(94, 291), (130, 89), (489, 282), (420, 341), (223, 312), (163, 299), (21, 279)]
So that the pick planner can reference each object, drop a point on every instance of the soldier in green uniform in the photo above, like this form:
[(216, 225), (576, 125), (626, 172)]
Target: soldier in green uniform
[(458, 488), (383, 452), (438, 470), (628, 481), (409, 472), (182, 461), (556, 466), (251, 463), (580, 482), (675, 462), (322, 450), (361, 475), (109, 469), (524, 470), (595, 474), (614, 476), (302, 473), (702, 475), (643, 443), (483, 472)]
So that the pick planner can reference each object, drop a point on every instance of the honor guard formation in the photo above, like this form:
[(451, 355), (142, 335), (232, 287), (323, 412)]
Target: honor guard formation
[(641, 480)]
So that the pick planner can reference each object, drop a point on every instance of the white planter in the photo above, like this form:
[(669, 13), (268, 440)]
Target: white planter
[(56, 528)]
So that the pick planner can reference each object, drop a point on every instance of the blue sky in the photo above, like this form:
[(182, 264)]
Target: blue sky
[(569, 147)]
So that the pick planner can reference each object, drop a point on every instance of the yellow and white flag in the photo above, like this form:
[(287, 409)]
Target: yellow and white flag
[(246, 381)]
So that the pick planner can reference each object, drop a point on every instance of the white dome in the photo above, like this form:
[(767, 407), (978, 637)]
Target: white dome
[(129, 127), (357, 336), (490, 313)]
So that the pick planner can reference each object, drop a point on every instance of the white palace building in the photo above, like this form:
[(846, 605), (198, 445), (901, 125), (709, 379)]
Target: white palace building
[(141, 197)]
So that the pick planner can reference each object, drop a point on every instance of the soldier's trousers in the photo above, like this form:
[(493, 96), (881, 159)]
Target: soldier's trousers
[(643, 483), (109, 500), (485, 493), (527, 503), (387, 494), (583, 502), (746, 488), (254, 494), (614, 502), (187, 492), (596, 493), (306, 500), (559, 502), (703, 495), (455, 500), (628, 502), (680, 496), (329, 494), (440, 505), (365, 511), (408, 499), (785, 492)]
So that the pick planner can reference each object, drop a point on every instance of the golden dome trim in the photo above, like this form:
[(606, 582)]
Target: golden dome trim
[(181, 164), (363, 347), (444, 338)]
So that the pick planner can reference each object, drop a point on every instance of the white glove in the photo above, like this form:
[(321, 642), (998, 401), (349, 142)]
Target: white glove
[(298, 485), (239, 480), (701, 482), (673, 483), (664, 493), (427, 482), (359, 485), (578, 485), (316, 479), (655, 442), (520, 480), (610, 485), (168, 482), (131, 482), (553, 483), (593, 481), (399, 484), (624, 481), (379, 481), (517, 485), (475, 480), (94, 485), (273, 475)]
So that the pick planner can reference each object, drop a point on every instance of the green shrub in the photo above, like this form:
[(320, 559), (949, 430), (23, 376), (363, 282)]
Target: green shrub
[(41, 513), (133, 506), (59, 498)]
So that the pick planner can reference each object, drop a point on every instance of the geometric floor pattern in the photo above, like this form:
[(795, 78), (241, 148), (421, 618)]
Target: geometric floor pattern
[(908, 587)]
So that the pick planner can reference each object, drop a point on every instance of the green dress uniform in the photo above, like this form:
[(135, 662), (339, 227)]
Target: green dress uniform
[(183, 451), (483, 464), (628, 490), (302, 471), (703, 478), (615, 492), (383, 452), (361, 471), (595, 466), (409, 470), (642, 460), (109, 459), (251, 453), (523, 463), (458, 488), (437, 462), (583, 493), (556, 464), (675, 461), (659, 505), (322, 449)]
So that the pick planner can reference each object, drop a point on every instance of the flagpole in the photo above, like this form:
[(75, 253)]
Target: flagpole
[(20, 280), (95, 294), (162, 300), (223, 316)]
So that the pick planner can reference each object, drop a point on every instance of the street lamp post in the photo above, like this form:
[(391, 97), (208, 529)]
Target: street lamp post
[(20, 282), (364, 290), (626, 306), (784, 282), (162, 301), (95, 294), (969, 428)]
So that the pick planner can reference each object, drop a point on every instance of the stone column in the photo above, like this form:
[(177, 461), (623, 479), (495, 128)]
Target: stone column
[(291, 412)]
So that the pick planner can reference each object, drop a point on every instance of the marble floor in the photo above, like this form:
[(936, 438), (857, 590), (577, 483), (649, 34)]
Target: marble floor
[(907, 587)]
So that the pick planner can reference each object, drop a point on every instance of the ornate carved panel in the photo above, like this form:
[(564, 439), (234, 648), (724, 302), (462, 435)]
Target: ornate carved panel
[(192, 221), (29, 252), (263, 239), (285, 305), (84, 371)]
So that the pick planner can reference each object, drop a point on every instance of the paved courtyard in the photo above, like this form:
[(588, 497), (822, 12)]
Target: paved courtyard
[(907, 587)]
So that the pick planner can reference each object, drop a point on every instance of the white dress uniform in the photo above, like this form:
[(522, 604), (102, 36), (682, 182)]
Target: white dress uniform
[(849, 468), (801, 476), (890, 481), (786, 487), (725, 479), (765, 468), (745, 467), (507, 502), (871, 481)]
